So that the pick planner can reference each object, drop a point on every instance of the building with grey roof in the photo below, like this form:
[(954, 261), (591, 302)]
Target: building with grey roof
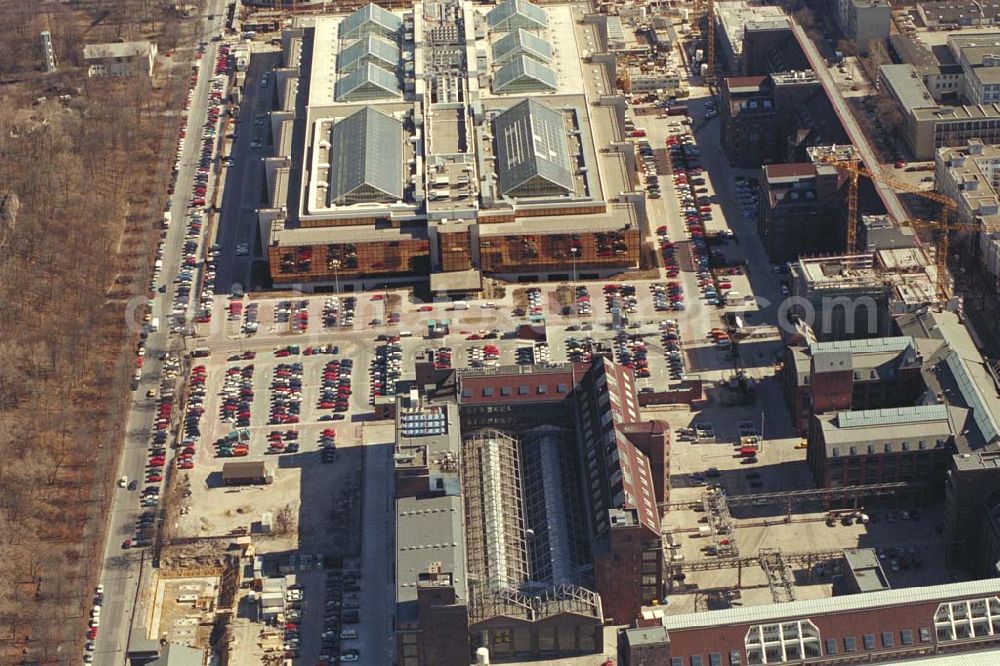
[(521, 42), (366, 158), (120, 59), (521, 74), (513, 14), (370, 19), (453, 204), (970, 175), (370, 49), (911, 444), (367, 82), (897, 626), (979, 57), (959, 13), (863, 21), (863, 571), (730, 23), (531, 149)]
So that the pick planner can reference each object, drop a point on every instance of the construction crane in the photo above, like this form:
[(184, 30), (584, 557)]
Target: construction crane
[(942, 247), (854, 170)]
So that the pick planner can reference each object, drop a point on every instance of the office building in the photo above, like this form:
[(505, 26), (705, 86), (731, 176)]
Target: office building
[(801, 210), (958, 13), (733, 18), (440, 144), (863, 21), (830, 377)]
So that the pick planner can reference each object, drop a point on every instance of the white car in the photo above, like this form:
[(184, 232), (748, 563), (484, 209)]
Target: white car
[(242, 249)]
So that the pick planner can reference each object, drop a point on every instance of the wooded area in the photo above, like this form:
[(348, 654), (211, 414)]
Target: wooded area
[(83, 174)]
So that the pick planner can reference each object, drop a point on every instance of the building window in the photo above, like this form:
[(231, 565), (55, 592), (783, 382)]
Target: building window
[(542, 389), (871, 449), (850, 645), (784, 642), (505, 390), (715, 659), (887, 639), (677, 661), (925, 635), (696, 660), (831, 646), (522, 390), (869, 641), (906, 637), (734, 658), (963, 620)]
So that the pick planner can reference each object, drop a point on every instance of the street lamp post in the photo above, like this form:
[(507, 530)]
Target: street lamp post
[(336, 274)]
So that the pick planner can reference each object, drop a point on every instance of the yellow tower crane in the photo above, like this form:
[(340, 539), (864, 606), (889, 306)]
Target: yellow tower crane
[(854, 170), (942, 246)]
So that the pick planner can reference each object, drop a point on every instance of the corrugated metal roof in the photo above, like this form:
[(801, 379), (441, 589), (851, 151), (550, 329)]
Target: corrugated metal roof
[(371, 13), (845, 604), (521, 42), (981, 412), (531, 143), (864, 346), (367, 82), (371, 47), (892, 416), (529, 13), (366, 149)]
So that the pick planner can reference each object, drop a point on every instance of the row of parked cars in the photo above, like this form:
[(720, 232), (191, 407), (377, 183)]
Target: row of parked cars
[(631, 351), (651, 169), (695, 204), (670, 338), (237, 396), (385, 369), (339, 313), (342, 609), (286, 394), (335, 390)]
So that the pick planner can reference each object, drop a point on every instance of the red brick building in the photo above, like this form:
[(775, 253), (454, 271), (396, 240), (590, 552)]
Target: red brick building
[(886, 627)]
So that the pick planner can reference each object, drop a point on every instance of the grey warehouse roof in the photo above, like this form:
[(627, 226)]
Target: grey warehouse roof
[(370, 49), (842, 604), (371, 17), (521, 42), (516, 14), (522, 73), (116, 50), (366, 150), (366, 82), (531, 144)]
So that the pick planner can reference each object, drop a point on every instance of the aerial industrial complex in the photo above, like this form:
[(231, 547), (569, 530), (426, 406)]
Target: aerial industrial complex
[(585, 333), (446, 142)]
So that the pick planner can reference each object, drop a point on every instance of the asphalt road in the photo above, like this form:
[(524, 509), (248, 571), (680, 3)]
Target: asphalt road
[(120, 569), (237, 222)]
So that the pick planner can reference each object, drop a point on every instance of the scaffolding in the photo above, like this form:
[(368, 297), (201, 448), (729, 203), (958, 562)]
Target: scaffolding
[(791, 498), (778, 579), (495, 533), (554, 601), (721, 523), (769, 560)]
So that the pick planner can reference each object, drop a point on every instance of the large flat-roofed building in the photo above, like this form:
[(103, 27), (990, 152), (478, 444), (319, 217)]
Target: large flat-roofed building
[(896, 626), (970, 176), (883, 445), (979, 57), (733, 18), (958, 13), (439, 139), (863, 21), (120, 59)]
